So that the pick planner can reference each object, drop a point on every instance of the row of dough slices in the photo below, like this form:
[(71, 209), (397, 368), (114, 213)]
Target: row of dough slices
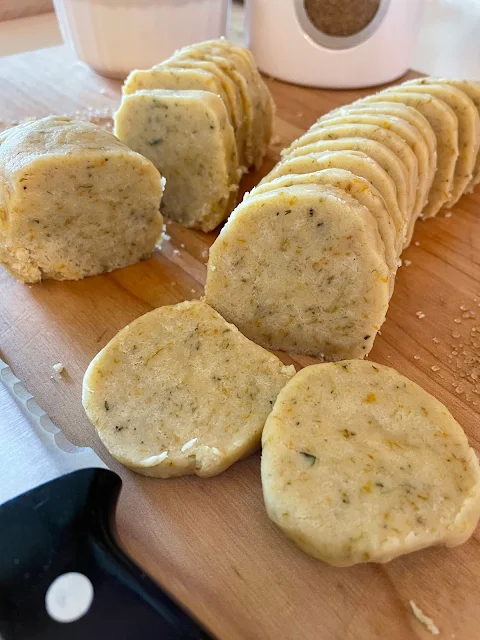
[(307, 261), (358, 463), (204, 117)]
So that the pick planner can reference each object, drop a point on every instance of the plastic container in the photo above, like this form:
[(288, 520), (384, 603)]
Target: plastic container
[(115, 36), (294, 44)]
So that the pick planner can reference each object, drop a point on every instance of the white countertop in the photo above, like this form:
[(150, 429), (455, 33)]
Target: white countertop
[(448, 44)]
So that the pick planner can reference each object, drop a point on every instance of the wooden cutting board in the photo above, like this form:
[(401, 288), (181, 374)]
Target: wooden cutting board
[(209, 542)]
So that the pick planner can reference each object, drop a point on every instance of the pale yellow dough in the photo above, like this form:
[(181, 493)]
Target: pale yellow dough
[(468, 129), (180, 391), (381, 154), (302, 269), (394, 142), (359, 464), (74, 201), (444, 123), (358, 163), (412, 136), (230, 94), (472, 90), (187, 135), (355, 186)]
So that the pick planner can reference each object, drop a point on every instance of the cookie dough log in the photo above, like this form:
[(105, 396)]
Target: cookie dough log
[(188, 137), (411, 115), (233, 101), (379, 153), (406, 159), (360, 164), (74, 201), (354, 187), (302, 270), (257, 101), (412, 136), (468, 128), (472, 90), (180, 391), (359, 464), (444, 123)]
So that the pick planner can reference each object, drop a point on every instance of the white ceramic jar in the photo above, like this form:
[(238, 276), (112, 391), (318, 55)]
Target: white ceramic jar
[(289, 46), (115, 36)]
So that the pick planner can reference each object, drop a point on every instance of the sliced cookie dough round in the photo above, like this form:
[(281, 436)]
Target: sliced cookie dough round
[(358, 163), (412, 136), (468, 129), (444, 123), (302, 270), (472, 90), (391, 140), (234, 102), (264, 105), (410, 114), (359, 464), (379, 153), (180, 391), (240, 72), (356, 187), (176, 79), (188, 134)]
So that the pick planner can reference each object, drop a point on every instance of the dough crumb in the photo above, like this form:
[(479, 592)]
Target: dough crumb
[(407, 263), (58, 368), (425, 620)]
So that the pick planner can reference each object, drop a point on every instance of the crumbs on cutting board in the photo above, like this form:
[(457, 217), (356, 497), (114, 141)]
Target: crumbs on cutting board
[(59, 371), (425, 620), (464, 357)]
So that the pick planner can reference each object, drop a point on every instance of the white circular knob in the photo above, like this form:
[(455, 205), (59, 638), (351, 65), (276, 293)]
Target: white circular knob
[(69, 597)]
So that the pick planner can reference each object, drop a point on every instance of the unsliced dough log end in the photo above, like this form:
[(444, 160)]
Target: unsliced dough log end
[(77, 202)]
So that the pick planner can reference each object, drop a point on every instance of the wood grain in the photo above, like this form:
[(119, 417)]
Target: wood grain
[(209, 541)]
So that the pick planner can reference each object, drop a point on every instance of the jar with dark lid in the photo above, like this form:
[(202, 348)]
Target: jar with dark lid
[(334, 43)]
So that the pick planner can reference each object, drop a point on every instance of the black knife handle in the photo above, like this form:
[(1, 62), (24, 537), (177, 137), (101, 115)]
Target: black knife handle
[(67, 525)]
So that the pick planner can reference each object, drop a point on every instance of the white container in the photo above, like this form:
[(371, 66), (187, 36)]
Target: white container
[(115, 36), (287, 44)]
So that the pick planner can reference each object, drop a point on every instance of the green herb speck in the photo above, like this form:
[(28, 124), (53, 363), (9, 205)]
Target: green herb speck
[(311, 459)]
